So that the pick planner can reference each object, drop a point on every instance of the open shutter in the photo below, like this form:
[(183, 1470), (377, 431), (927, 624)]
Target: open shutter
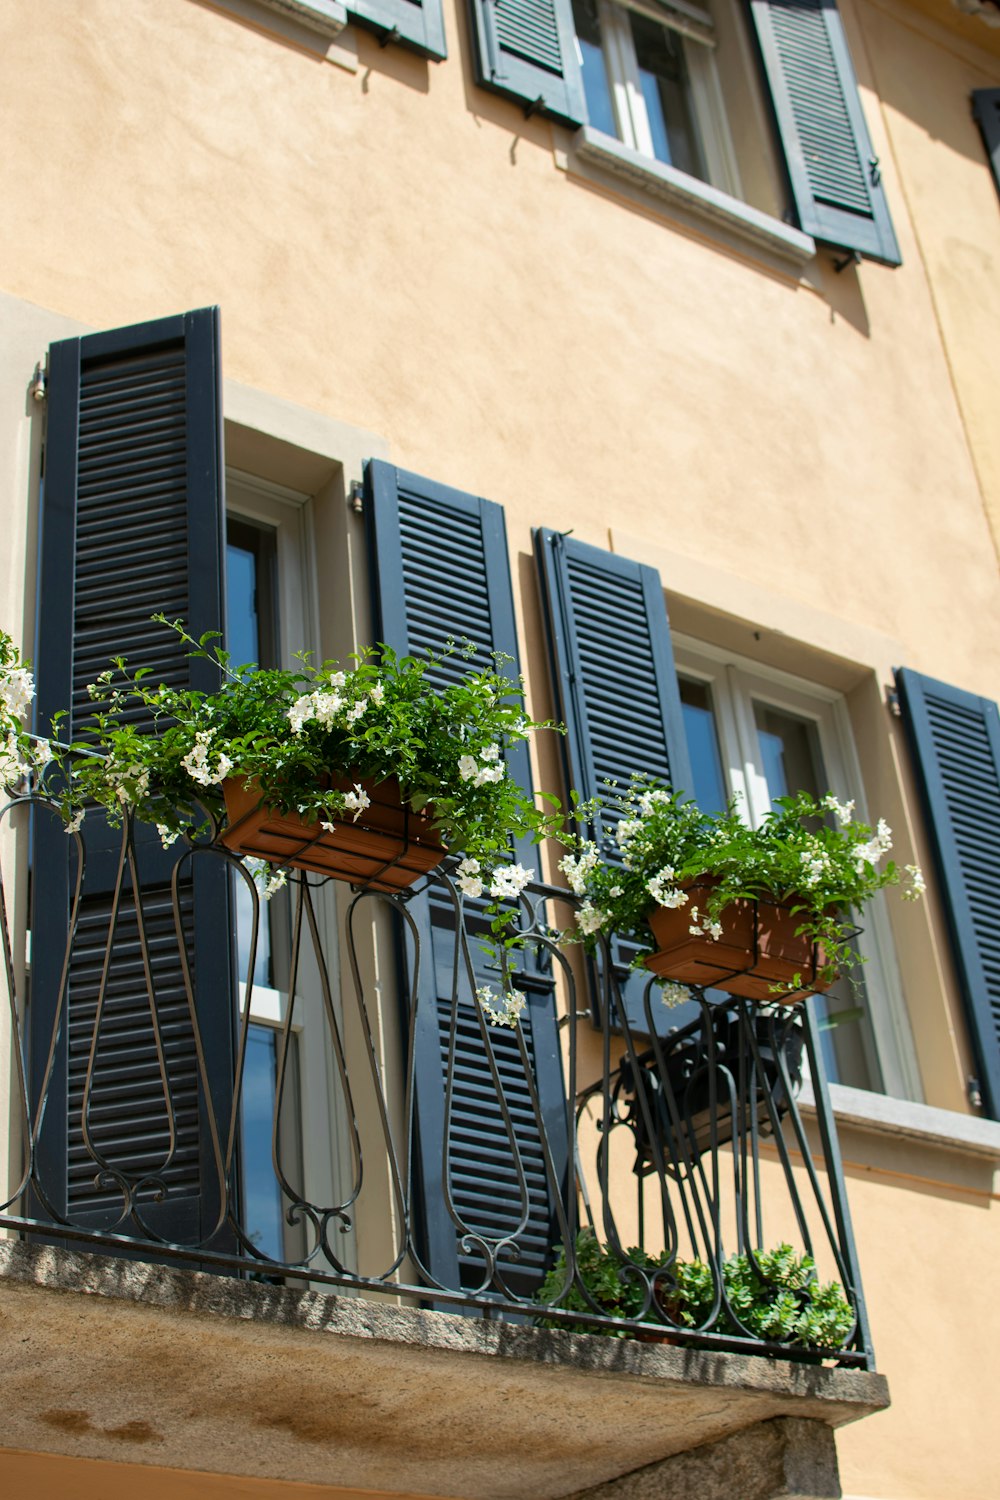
[(526, 50), (835, 178), (955, 740), (986, 109), (441, 569), (132, 522), (417, 24), (616, 688)]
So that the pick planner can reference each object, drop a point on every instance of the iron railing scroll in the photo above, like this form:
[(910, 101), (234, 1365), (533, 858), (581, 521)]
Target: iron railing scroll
[(464, 1153)]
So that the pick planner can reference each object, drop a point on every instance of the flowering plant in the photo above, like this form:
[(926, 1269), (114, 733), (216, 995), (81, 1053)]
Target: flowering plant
[(811, 855), (291, 730), (20, 752)]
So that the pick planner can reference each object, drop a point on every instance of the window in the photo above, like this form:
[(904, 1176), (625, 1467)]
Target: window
[(650, 80), (761, 735), (653, 82)]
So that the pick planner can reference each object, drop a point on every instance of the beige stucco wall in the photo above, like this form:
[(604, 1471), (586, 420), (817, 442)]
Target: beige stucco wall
[(807, 453)]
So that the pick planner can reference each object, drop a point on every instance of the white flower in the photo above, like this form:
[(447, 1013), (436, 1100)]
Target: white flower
[(815, 865), (917, 885), (467, 767), (509, 881), (326, 707), (590, 918), (76, 821), (663, 893), (354, 714), (577, 870), (43, 753), (674, 994), (166, 837), (844, 811), (337, 679), (488, 773), (377, 694), (501, 1010), (648, 801), (12, 766), (627, 830), (196, 763), (492, 752), (469, 879), (356, 801), (300, 713), (17, 688), (870, 854), (714, 930), (266, 882)]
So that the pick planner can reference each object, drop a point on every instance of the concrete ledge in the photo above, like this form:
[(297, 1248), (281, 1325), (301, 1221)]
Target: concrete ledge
[(108, 1358), (785, 1459)]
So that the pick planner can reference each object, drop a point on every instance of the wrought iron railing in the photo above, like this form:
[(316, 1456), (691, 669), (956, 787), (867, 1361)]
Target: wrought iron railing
[(415, 1148)]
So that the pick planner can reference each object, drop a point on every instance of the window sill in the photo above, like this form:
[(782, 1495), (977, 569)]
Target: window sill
[(329, 17), (881, 1115), (698, 199)]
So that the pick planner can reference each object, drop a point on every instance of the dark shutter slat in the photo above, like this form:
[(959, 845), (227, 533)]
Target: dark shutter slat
[(132, 523), (837, 190), (526, 50), (961, 795), (986, 109), (440, 562), (615, 685)]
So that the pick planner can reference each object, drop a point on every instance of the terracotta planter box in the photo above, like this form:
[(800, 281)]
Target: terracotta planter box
[(757, 950), (387, 849)]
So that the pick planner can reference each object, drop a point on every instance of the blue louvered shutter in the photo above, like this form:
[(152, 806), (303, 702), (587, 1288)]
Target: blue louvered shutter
[(955, 740), (616, 688), (986, 109), (417, 24), (835, 178), (526, 50), (132, 523), (441, 568)]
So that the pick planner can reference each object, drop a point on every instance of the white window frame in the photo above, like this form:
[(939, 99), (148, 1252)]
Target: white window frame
[(694, 29), (326, 1162), (736, 683)]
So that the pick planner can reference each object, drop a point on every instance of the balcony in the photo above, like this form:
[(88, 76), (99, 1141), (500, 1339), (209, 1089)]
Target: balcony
[(325, 1267)]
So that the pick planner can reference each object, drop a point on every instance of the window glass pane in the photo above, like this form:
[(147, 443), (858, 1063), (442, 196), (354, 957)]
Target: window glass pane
[(703, 745), (790, 758), (263, 1209), (600, 107), (667, 94), (791, 762)]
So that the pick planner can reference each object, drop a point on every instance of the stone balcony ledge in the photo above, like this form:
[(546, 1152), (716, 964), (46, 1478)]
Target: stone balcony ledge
[(119, 1360)]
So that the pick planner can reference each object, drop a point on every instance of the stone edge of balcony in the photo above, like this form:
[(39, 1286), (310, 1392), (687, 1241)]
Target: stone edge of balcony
[(835, 1395)]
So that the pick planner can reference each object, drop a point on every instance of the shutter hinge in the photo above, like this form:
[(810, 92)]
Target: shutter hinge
[(37, 388), (852, 258), (385, 37), (892, 703), (356, 497), (874, 170), (534, 107), (974, 1092)]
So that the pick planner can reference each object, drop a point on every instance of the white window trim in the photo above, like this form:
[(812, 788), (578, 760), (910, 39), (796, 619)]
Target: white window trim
[(826, 709), (700, 201), (326, 1162)]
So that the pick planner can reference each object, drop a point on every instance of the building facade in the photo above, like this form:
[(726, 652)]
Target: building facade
[(657, 342)]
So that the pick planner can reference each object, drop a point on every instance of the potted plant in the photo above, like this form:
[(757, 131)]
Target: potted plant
[(369, 773), (774, 1295), (761, 912)]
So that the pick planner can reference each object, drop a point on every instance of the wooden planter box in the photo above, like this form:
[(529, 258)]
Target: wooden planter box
[(758, 950), (387, 849)]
